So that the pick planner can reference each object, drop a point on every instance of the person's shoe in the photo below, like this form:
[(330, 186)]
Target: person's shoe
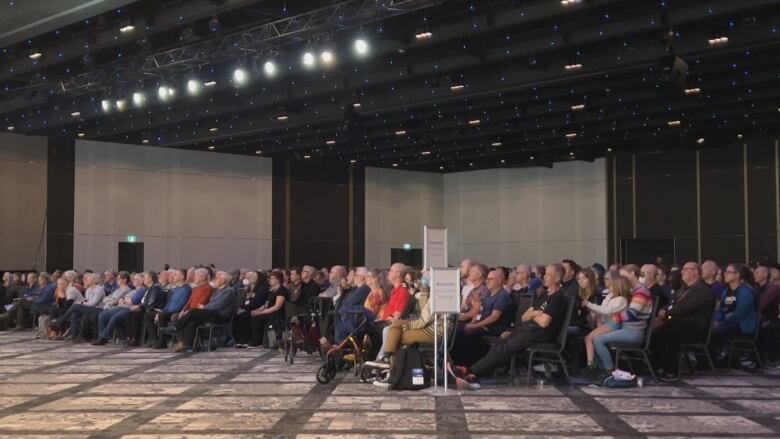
[(667, 377), (240, 346), (55, 323), (100, 342), (132, 342), (382, 382), (178, 347), (325, 343), (377, 364), (456, 371)]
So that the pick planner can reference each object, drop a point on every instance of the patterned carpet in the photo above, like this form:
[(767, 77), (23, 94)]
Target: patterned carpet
[(59, 390)]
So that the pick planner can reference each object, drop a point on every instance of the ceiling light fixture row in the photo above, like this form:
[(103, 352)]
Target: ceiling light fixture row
[(239, 78)]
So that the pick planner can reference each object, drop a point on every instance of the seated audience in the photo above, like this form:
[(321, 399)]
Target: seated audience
[(686, 320), (353, 305), (608, 315), (18, 314), (471, 303), (570, 287), (81, 311), (737, 309), (256, 297), (709, 273), (110, 319), (271, 311), (541, 323), (155, 319), (153, 299), (522, 276), (649, 278), (587, 293), (218, 310)]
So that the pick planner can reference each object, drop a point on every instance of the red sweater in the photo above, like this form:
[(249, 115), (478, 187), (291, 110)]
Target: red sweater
[(200, 296), (397, 302)]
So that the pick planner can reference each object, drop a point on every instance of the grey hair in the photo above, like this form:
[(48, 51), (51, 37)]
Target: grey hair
[(203, 272)]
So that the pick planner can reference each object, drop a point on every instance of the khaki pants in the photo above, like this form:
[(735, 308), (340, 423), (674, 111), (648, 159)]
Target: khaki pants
[(397, 337)]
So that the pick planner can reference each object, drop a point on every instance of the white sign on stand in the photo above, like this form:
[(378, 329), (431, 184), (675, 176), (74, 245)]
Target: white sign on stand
[(434, 247), (445, 300)]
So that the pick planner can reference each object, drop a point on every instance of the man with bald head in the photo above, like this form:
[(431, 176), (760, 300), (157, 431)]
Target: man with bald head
[(709, 274), (687, 320), (337, 272), (648, 276)]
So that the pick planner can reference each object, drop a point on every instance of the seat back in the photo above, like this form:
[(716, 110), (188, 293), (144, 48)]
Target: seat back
[(563, 334), (523, 302), (650, 325), (240, 295), (709, 330), (410, 305), (757, 303)]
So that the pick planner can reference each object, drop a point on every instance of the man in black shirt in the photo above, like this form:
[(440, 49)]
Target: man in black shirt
[(686, 321), (309, 288), (569, 285), (541, 324), (648, 277)]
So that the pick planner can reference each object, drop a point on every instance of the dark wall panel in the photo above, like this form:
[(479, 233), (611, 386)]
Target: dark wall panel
[(722, 204), (59, 203), (762, 217), (278, 213), (359, 215), (624, 221)]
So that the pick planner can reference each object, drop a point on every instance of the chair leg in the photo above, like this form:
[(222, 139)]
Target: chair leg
[(512, 364), (731, 355), (617, 359), (710, 361), (530, 369), (758, 355), (197, 337), (649, 366), (565, 369), (208, 343)]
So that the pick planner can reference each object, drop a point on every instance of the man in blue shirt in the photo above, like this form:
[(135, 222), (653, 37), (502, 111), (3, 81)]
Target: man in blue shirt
[(219, 309), (160, 319)]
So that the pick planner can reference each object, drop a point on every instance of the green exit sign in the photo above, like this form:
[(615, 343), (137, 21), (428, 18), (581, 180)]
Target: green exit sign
[(130, 238), (407, 246)]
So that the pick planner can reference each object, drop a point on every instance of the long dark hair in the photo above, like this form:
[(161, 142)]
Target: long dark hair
[(586, 294)]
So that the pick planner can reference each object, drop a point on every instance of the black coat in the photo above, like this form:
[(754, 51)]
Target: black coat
[(154, 298), (694, 307)]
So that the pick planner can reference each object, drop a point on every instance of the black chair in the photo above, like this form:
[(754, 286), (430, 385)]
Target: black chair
[(226, 327), (748, 344), (547, 353), (637, 351), (697, 349)]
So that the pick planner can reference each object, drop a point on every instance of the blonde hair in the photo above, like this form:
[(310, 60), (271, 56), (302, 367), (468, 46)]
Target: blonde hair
[(621, 287)]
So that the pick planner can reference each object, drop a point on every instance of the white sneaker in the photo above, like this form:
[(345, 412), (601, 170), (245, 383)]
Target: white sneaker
[(382, 383)]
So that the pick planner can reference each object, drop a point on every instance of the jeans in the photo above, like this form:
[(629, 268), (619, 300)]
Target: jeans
[(109, 319), (624, 335), (385, 333)]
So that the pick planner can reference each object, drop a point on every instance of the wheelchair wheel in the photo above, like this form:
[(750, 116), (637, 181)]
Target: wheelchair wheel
[(325, 374)]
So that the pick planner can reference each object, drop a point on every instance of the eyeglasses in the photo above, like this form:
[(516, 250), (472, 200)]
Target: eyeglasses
[(731, 271)]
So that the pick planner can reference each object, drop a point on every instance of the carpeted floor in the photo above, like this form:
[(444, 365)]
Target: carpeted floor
[(62, 390)]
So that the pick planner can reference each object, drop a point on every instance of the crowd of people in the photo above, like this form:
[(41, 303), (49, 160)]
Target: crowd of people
[(680, 304)]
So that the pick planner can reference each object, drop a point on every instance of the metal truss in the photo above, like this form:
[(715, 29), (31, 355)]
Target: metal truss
[(268, 36)]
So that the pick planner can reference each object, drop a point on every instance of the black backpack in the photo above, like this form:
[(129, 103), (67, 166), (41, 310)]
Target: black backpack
[(408, 371)]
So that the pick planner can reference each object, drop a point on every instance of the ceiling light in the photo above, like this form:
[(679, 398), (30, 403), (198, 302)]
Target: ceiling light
[(609, 149), (531, 158), (308, 59), (212, 147), (76, 114), (121, 104), (426, 35), (326, 56), (361, 46), (127, 28), (503, 161), (213, 129), (163, 93), (105, 104), (258, 152), (330, 142), (441, 168), (194, 86), (281, 118), (357, 105), (307, 156), (400, 132), (425, 153), (210, 84), (35, 55), (739, 136), (457, 87), (11, 128), (81, 134), (395, 165), (571, 153), (578, 107), (673, 123), (569, 2), (571, 135), (700, 140), (269, 68), (353, 161), (239, 76), (145, 141), (573, 66), (139, 98), (495, 144), (692, 91), (474, 122), (717, 41)]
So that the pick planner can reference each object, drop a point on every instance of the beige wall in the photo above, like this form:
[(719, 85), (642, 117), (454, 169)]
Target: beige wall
[(23, 200), (497, 216), (398, 205), (188, 207)]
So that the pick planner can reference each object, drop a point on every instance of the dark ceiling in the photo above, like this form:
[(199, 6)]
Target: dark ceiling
[(489, 88)]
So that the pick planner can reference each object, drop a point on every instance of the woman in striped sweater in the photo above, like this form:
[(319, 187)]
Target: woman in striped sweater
[(633, 319), (609, 314)]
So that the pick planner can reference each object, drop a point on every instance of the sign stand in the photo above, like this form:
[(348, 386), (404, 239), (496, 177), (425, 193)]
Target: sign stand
[(445, 300)]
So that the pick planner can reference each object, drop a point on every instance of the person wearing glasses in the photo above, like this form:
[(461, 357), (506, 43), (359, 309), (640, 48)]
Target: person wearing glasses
[(737, 309)]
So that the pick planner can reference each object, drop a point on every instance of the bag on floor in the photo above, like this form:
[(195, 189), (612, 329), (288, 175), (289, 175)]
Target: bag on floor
[(408, 371), (620, 380), (43, 326)]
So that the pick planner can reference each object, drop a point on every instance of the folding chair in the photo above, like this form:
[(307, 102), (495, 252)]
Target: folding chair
[(747, 344), (637, 351), (697, 349), (226, 327)]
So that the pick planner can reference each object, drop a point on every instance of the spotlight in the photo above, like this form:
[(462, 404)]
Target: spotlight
[(210, 84), (282, 118), (308, 59), (474, 122), (239, 76), (424, 35), (361, 46), (571, 135), (213, 129), (425, 153), (258, 151), (35, 55), (400, 132), (269, 68), (692, 91), (326, 56), (212, 147), (357, 105), (573, 66), (700, 141), (307, 156), (138, 99), (105, 104), (194, 87), (496, 144), (81, 134), (121, 104), (11, 128), (145, 141), (673, 123), (330, 142), (457, 87), (127, 27), (75, 114), (395, 165), (718, 41), (578, 107), (353, 161), (162, 93)]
